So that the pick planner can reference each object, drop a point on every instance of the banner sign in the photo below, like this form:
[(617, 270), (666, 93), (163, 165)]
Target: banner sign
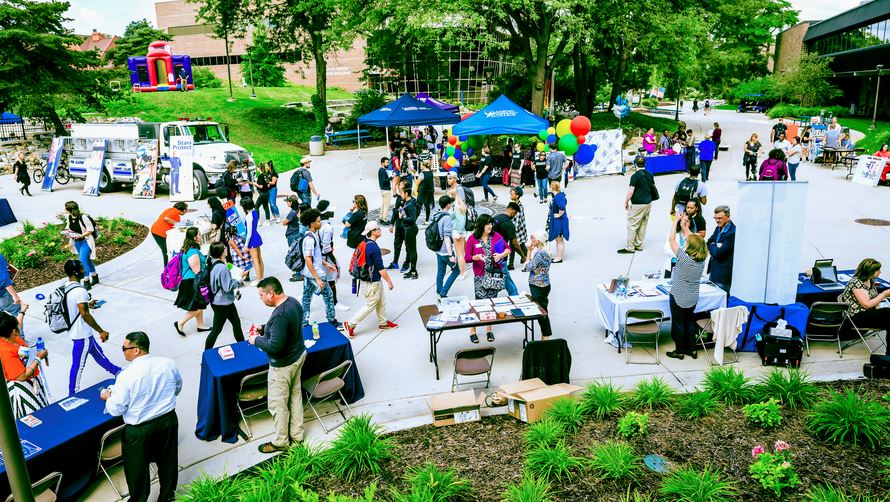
[(608, 158), (181, 152), (233, 219), (52, 164), (146, 164), (868, 170), (93, 166)]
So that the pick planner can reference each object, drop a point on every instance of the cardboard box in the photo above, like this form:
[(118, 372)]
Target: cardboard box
[(456, 408), (527, 400)]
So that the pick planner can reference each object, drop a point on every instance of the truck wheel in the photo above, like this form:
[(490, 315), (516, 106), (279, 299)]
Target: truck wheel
[(199, 184), (105, 183)]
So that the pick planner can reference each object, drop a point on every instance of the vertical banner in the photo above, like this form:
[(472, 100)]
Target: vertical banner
[(769, 224), (181, 153), (146, 169), (52, 164), (233, 219), (608, 158), (868, 170), (93, 166)]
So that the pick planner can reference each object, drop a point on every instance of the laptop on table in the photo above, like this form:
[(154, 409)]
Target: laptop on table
[(825, 276)]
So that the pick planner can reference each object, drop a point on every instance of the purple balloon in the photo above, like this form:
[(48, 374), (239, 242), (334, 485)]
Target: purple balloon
[(584, 155), (470, 151)]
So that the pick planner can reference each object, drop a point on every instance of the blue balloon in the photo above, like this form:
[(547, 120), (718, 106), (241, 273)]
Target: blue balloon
[(459, 155), (462, 138), (470, 151), (584, 155), (551, 138), (593, 148)]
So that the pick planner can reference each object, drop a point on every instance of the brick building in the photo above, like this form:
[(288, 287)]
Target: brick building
[(99, 42)]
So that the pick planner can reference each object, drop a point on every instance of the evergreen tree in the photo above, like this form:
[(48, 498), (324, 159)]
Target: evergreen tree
[(134, 42), (265, 64)]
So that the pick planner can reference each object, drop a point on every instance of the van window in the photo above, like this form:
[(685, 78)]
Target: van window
[(170, 131), (147, 131)]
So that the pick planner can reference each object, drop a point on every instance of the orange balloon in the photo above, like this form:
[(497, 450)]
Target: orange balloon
[(452, 140), (582, 138)]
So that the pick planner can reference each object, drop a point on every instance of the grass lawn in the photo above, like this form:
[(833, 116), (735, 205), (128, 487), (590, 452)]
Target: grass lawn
[(727, 106), (873, 139), (260, 125)]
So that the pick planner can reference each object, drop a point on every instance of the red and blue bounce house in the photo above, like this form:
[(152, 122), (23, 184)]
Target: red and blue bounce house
[(160, 70)]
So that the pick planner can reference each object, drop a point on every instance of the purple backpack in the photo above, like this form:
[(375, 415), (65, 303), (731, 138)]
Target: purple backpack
[(172, 274)]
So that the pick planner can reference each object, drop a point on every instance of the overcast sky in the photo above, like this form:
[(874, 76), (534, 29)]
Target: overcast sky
[(113, 16)]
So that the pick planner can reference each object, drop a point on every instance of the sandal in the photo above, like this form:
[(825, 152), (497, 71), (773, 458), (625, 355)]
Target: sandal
[(204, 330), (489, 336), (269, 448), (474, 338)]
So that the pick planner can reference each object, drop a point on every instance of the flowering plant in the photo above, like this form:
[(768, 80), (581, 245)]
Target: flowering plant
[(774, 470)]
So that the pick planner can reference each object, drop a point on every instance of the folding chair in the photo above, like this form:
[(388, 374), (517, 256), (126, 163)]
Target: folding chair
[(705, 337), (45, 490), (473, 362), (864, 333), (253, 395), (640, 324), (326, 385), (111, 454), (824, 324)]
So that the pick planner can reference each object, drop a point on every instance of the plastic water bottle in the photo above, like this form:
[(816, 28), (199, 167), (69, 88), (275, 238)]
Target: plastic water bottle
[(622, 288), (42, 346), (315, 334)]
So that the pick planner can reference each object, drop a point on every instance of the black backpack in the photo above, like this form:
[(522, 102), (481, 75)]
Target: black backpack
[(779, 351), (202, 281), (686, 191), (434, 238), (294, 258), (96, 234), (434, 134)]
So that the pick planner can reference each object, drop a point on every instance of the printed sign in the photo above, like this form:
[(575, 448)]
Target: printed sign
[(181, 152), (608, 157), (93, 166), (146, 164), (868, 170), (233, 219), (52, 164)]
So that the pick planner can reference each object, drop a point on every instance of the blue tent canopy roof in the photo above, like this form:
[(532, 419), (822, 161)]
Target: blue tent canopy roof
[(503, 116), (10, 118), (426, 98), (407, 111)]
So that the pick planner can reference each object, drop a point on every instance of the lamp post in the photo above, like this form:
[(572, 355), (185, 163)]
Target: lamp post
[(874, 114), (250, 70)]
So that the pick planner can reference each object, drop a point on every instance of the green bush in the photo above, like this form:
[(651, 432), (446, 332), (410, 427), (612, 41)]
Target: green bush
[(728, 385), (603, 399), (767, 414), (429, 484), (275, 481), (530, 489), (849, 418), (793, 388), (554, 462), (546, 432), (695, 405), (633, 424), (613, 460), (203, 78), (568, 411), (306, 495), (653, 393), (689, 485), (830, 493), (774, 470), (649, 102), (806, 111), (359, 449), (207, 489)]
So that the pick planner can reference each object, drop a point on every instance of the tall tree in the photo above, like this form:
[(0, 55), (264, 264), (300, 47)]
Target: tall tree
[(230, 19), (134, 42), (262, 62)]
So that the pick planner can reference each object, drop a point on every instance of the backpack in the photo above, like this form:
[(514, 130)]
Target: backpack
[(92, 222), (298, 182), (202, 282), (434, 238), (686, 191), (779, 351), (55, 312), (770, 171), (171, 277), (472, 215), (469, 197), (359, 268), (294, 258)]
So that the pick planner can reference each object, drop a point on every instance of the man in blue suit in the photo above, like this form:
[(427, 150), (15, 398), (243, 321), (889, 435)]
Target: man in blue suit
[(721, 246)]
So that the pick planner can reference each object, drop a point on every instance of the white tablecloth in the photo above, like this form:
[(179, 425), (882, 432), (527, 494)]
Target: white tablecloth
[(613, 309)]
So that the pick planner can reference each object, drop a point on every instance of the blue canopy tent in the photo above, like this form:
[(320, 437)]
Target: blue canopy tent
[(426, 98), (503, 116), (11, 126)]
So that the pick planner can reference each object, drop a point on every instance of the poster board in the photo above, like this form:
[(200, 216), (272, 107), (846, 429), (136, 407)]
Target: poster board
[(145, 169), (52, 164), (181, 153), (608, 158), (93, 165), (868, 170), (769, 234)]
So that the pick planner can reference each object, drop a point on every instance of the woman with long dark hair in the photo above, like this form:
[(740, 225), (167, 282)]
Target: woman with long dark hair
[(193, 262), (487, 249), (254, 241), (217, 220), (355, 224), (272, 178), (861, 294)]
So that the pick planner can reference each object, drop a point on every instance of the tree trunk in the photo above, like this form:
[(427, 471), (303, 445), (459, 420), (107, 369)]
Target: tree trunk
[(57, 122), (228, 65), (585, 82), (539, 81), (618, 80), (321, 75)]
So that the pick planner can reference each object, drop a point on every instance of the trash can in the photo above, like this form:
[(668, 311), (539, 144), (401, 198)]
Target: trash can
[(316, 146)]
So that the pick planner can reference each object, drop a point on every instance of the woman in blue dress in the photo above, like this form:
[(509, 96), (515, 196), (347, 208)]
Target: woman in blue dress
[(254, 241), (558, 221)]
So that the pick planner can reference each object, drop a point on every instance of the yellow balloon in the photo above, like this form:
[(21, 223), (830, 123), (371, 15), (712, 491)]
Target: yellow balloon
[(451, 161), (551, 130), (540, 147), (563, 127)]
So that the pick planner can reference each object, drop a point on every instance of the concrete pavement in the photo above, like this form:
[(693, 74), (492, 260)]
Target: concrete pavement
[(394, 366)]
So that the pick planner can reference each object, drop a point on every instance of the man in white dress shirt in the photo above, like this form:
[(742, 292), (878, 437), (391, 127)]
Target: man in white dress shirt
[(144, 393)]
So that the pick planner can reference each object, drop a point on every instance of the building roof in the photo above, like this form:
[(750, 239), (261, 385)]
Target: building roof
[(98, 41), (862, 15)]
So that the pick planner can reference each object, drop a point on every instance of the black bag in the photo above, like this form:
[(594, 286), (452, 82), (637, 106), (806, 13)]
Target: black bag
[(686, 191), (434, 238), (875, 371), (777, 350), (653, 190)]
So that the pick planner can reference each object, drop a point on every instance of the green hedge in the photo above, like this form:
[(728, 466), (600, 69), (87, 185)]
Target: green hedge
[(806, 111)]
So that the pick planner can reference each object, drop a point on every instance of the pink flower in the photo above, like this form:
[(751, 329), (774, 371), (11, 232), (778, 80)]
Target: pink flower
[(782, 445), (786, 464), (757, 451)]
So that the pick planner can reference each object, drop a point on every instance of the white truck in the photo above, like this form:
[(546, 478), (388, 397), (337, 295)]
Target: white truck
[(212, 151)]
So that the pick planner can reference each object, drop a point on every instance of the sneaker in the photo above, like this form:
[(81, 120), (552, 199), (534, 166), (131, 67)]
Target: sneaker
[(342, 308), (405, 268), (337, 324), (388, 325), (296, 278), (393, 266), (349, 329), (410, 275)]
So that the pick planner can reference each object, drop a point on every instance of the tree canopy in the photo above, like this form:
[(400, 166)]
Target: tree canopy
[(134, 42)]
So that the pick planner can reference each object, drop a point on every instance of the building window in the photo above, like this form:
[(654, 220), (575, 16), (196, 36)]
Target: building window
[(215, 60), (195, 29), (877, 33)]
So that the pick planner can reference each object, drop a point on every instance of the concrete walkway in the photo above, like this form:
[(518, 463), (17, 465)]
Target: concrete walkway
[(394, 366)]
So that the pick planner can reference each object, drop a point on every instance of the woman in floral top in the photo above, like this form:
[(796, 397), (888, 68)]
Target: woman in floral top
[(519, 222), (538, 268), (862, 295)]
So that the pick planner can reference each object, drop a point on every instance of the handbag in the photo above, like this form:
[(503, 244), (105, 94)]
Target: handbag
[(653, 190), (493, 278)]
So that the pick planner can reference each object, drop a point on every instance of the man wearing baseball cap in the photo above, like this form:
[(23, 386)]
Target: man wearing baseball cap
[(303, 171), (372, 290)]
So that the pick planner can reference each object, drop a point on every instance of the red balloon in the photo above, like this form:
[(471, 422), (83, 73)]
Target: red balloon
[(580, 125), (458, 146), (452, 140), (581, 139)]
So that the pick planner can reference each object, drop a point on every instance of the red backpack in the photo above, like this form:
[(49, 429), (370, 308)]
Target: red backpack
[(359, 268), (770, 170)]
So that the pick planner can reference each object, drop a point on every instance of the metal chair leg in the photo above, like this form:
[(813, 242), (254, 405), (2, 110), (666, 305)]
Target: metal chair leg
[(840, 349), (806, 342), (317, 417), (113, 487), (246, 424)]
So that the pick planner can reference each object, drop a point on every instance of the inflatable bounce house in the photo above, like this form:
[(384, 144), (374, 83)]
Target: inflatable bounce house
[(160, 70)]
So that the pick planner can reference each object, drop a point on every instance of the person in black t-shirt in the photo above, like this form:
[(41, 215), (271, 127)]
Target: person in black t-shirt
[(425, 189), (778, 128), (638, 204), (697, 222), (541, 178), (384, 182)]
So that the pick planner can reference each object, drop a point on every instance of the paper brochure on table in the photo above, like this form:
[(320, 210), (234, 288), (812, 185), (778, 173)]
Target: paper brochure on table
[(516, 299), (435, 322), (309, 343), (31, 421), (468, 318), (480, 303), (484, 308), (72, 403), (503, 309), (28, 448), (531, 311), (501, 300)]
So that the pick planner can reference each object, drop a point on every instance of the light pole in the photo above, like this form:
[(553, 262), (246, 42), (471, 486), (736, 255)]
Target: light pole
[(874, 114), (250, 70)]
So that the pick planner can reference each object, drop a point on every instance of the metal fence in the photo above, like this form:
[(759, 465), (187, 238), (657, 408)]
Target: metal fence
[(20, 130)]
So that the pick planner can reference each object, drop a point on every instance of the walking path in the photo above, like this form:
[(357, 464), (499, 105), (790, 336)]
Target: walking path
[(395, 370)]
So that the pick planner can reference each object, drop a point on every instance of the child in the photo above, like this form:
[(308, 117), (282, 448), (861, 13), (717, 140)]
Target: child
[(238, 251)]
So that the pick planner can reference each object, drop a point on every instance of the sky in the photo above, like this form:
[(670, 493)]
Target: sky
[(112, 16)]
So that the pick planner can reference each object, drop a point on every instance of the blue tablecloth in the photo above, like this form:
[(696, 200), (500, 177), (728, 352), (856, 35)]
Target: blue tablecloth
[(68, 442), (220, 379), (665, 163), (6, 214), (808, 293)]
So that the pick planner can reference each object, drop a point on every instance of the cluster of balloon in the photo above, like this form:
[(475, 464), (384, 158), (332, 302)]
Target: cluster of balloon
[(460, 146), (569, 136), (621, 108)]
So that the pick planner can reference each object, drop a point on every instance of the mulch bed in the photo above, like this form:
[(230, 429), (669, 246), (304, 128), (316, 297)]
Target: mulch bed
[(52, 271), (491, 454)]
